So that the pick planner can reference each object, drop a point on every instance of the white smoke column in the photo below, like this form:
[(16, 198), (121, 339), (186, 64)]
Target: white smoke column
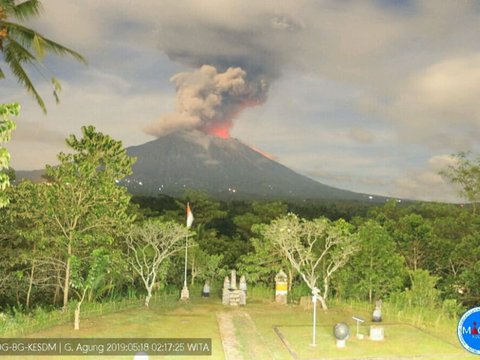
[(209, 100)]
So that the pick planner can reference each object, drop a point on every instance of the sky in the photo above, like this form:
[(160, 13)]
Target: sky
[(370, 96)]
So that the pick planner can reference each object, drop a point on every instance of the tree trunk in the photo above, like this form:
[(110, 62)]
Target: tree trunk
[(58, 287), (370, 291), (17, 295), (90, 295), (67, 278), (325, 289), (56, 294), (30, 285), (322, 302), (415, 255), (76, 325), (148, 297), (290, 279)]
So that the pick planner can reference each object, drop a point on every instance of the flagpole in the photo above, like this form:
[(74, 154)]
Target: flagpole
[(185, 293), (186, 254)]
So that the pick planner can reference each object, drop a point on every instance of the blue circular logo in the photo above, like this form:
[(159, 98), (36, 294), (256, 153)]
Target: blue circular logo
[(468, 330)]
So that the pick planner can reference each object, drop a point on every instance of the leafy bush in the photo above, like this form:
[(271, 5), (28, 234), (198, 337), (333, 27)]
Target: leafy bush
[(422, 292)]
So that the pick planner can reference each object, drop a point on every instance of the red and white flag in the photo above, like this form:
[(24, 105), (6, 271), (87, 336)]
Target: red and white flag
[(189, 217)]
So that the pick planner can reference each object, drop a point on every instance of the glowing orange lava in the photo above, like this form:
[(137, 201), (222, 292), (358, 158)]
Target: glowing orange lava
[(221, 130), (267, 155)]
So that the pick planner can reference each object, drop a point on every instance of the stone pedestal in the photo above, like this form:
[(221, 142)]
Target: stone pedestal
[(341, 343), (225, 296), (242, 298), (185, 295), (377, 333), (234, 298)]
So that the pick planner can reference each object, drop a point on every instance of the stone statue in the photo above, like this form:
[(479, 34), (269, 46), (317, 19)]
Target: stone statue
[(206, 290), (243, 284), (377, 313)]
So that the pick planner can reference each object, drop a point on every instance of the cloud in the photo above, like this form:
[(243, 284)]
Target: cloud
[(361, 136), (440, 162), (37, 132), (438, 105), (426, 184), (101, 101)]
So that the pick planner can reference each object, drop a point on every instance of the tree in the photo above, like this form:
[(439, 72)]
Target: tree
[(376, 270), (413, 233), (205, 209), (22, 46), (203, 265), (6, 128), (466, 174), (33, 255), (84, 276), (422, 292), (469, 280), (262, 213), (149, 245), (81, 206), (265, 261), (316, 249)]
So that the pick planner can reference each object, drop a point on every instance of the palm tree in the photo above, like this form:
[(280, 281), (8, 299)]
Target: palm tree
[(21, 46)]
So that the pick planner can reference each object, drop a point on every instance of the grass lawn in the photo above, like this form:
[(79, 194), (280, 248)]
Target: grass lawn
[(196, 320), (401, 340), (253, 332)]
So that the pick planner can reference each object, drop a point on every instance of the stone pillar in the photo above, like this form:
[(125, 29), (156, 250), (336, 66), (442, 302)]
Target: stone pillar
[(233, 280), (226, 291), (281, 288)]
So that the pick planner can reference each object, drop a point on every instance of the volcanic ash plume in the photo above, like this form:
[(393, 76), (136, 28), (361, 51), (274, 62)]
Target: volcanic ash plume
[(209, 100)]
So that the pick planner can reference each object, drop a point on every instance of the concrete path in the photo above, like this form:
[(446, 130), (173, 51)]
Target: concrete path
[(240, 338)]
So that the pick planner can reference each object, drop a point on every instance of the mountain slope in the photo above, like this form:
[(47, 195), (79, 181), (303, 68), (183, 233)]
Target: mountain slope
[(225, 168)]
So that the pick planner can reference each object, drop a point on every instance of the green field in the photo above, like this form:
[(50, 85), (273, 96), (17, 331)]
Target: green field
[(256, 332)]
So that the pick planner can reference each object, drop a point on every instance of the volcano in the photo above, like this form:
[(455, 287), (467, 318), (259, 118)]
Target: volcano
[(224, 168)]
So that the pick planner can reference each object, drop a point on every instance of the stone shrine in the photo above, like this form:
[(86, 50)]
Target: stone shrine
[(281, 288), (231, 295)]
